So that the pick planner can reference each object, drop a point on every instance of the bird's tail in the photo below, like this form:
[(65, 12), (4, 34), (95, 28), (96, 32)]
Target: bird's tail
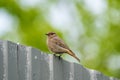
[(73, 55)]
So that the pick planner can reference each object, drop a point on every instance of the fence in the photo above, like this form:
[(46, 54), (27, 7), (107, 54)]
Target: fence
[(18, 62)]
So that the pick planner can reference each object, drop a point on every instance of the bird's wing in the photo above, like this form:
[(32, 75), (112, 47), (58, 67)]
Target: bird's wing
[(60, 42)]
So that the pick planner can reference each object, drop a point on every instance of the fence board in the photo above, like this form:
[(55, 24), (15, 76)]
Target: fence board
[(44, 67), (67, 70), (12, 60), (22, 62), (8, 61), (1, 61), (78, 72), (57, 69)]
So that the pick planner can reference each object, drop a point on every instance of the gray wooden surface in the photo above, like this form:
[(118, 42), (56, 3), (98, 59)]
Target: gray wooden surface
[(18, 62)]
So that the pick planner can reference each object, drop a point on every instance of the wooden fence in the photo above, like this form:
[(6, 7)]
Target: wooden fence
[(18, 62)]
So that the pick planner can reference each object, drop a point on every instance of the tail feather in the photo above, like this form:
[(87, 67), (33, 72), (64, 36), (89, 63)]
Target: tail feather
[(73, 55)]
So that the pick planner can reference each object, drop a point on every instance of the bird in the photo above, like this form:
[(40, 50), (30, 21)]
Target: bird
[(58, 46)]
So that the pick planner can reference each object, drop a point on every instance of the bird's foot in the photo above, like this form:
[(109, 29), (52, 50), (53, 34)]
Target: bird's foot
[(55, 55), (59, 57)]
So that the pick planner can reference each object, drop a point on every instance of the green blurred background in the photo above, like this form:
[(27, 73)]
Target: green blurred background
[(90, 27)]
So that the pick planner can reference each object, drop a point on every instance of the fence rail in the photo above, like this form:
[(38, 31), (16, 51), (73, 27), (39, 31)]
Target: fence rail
[(18, 62)]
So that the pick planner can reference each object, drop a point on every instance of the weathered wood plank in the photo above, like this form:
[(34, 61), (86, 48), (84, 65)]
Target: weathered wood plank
[(44, 66), (78, 72), (8, 61), (68, 70), (22, 62), (12, 60), (57, 68), (35, 63), (2, 68)]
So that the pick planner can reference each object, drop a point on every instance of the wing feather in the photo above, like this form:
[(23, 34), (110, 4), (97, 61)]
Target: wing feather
[(60, 42)]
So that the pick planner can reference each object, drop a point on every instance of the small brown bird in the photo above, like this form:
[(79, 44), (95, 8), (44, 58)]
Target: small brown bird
[(57, 46)]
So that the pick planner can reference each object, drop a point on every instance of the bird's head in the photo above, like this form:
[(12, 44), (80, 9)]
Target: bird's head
[(51, 34)]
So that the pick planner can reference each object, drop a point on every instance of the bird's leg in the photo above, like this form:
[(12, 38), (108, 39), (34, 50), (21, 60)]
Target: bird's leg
[(59, 56), (55, 55)]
